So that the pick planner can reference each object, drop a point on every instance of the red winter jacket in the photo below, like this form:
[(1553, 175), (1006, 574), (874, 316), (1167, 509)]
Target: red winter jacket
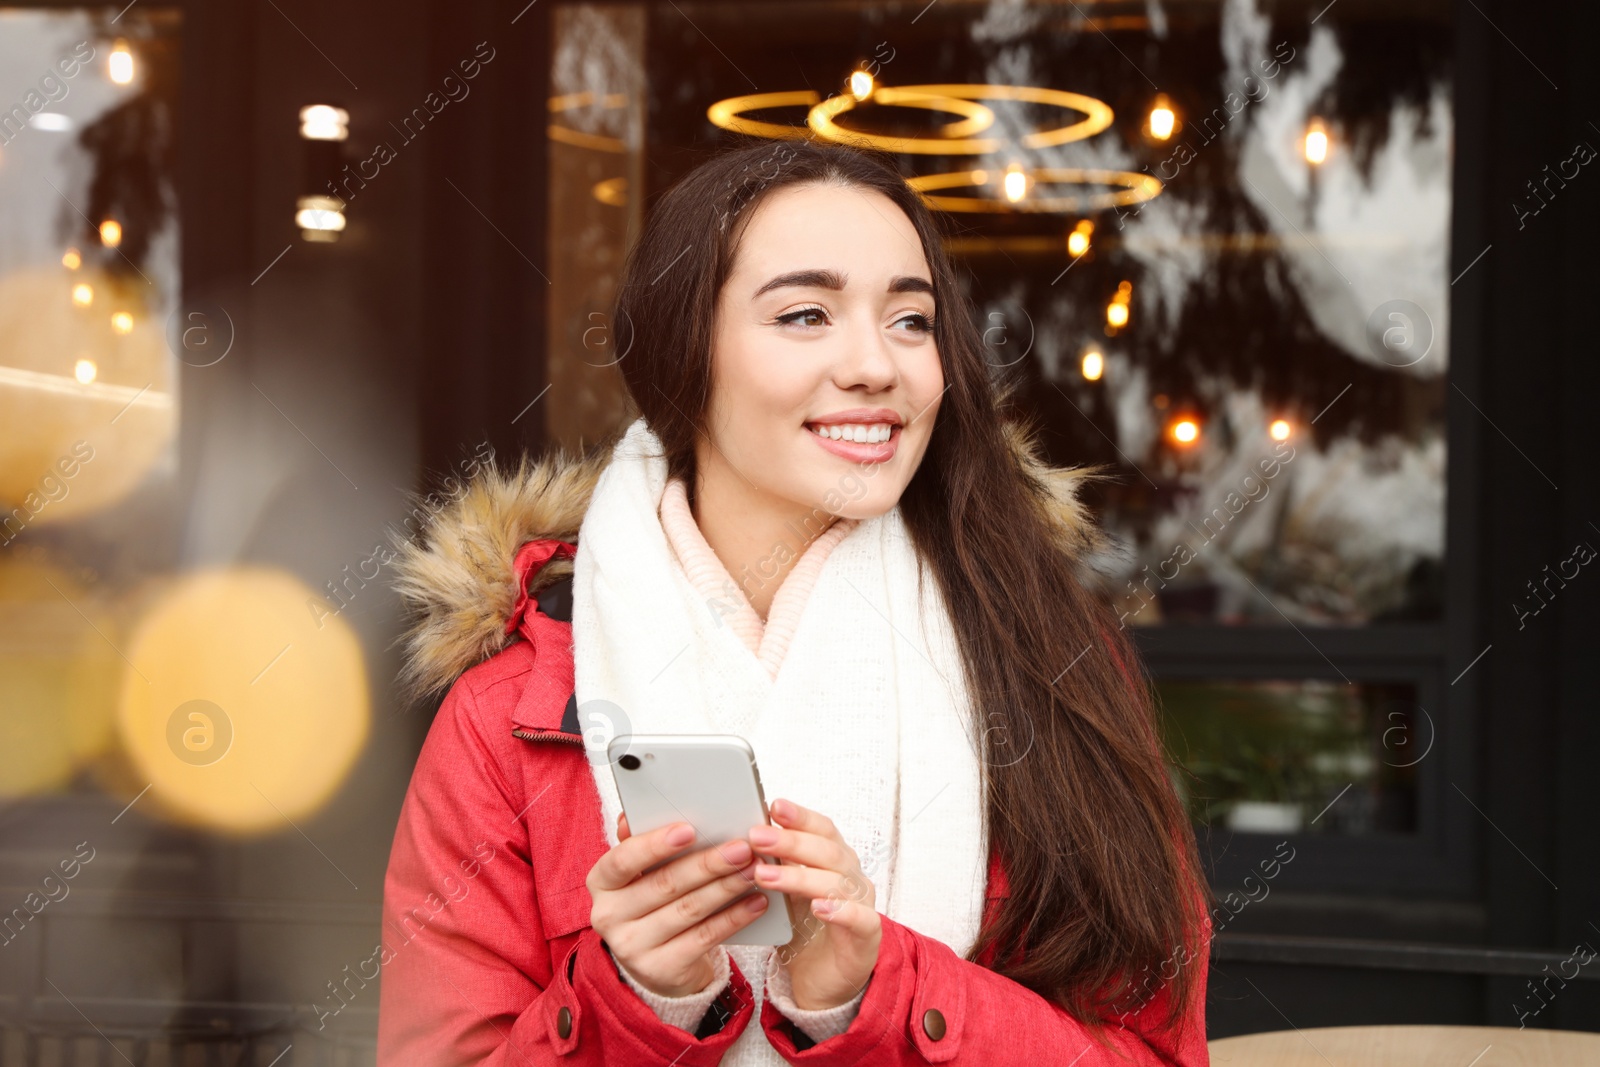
[(488, 956)]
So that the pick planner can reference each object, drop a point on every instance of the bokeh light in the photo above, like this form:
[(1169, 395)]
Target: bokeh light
[(240, 708), (117, 425), (58, 676)]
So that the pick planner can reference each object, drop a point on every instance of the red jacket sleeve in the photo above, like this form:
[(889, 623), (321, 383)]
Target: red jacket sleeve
[(468, 976), (920, 988)]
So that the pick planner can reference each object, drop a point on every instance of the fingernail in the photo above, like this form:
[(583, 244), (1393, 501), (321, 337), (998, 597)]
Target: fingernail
[(824, 907), (783, 809), (755, 902), (736, 852), (763, 836), (680, 835)]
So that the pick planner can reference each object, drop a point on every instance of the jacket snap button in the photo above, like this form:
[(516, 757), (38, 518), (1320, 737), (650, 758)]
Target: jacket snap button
[(933, 1024), (564, 1024)]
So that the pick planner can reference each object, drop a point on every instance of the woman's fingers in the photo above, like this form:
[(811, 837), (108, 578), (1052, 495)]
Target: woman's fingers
[(796, 817), (805, 847), (677, 879), (816, 883), (625, 862), (678, 916), (708, 933), (857, 918)]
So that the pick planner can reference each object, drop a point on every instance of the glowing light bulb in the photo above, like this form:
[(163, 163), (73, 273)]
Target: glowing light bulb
[(111, 233), (1117, 310), (1094, 364), (120, 65), (860, 84), (122, 322), (1162, 118), (1185, 431), (82, 295), (1316, 144), (72, 260), (1279, 429), (324, 122), (1015, 183), (1078, 239), (320, 218), (85, 371)]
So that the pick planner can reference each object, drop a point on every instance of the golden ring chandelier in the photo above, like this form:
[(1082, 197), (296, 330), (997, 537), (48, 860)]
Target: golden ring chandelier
[(953, 138), (1097, 116), (1136, 188)]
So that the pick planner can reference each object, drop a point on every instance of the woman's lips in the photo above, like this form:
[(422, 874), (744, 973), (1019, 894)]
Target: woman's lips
[(881, 452)]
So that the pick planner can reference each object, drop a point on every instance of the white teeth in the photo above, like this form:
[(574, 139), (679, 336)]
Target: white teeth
[(861, 433)]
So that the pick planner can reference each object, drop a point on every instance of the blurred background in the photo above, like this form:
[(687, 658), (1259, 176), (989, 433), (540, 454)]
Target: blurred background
[(1316, 280)]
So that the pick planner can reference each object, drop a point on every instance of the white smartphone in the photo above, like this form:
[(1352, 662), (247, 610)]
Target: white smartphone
[(711, 782)]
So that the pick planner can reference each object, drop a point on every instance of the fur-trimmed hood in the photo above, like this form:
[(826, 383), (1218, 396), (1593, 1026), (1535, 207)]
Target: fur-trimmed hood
[(457, 578)]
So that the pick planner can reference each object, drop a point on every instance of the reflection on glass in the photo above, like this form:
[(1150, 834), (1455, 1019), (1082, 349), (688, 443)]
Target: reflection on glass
[(596, 132), (88, 277), (1297, 756), (1208, 240)]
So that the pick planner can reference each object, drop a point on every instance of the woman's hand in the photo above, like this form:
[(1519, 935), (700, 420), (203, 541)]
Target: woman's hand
[(665, 926), (831, 959)]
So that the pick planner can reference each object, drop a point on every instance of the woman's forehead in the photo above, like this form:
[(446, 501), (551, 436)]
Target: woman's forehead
[(857, 233)]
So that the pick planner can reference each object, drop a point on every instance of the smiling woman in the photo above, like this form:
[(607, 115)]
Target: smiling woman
[(807, 376)]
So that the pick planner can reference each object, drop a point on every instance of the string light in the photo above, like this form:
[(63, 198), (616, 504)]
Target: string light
[(1316, 143), (1078, 239), (85, 371), (1094, 364), (1015, 183), (1163, 121), (1117, 309), (120, 65), (111, 233), (82, 294), (860, 84), (1185, 431), (71, 259), (122, 322), (1280, 429)]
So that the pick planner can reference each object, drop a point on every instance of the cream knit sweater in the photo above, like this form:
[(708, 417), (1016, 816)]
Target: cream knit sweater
[(768, 639), (870, 674)]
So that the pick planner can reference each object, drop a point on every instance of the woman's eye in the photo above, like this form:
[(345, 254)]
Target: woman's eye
[(805, 317), (920, 323)]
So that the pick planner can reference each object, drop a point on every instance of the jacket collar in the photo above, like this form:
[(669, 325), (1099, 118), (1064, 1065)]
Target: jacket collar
[(546, 625), (458, 577)]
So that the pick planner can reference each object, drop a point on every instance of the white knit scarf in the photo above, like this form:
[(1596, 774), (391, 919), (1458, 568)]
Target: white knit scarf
[(867, 720)]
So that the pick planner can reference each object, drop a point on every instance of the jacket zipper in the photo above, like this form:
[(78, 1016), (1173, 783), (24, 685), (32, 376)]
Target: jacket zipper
[(546, 735)]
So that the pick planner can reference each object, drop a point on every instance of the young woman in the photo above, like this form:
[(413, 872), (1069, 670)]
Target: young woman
[(822, 534)]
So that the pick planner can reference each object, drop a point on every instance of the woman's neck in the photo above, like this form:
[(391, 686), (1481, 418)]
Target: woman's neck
[(758, 536)]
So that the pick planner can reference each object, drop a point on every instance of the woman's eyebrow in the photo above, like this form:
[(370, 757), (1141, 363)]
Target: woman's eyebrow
[(811, 279), (830, 279), (904, 284)]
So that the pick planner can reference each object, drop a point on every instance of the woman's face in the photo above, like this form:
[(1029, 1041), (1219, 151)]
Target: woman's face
[(825, 376)]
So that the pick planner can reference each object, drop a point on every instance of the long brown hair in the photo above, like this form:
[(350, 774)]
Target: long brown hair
[(1097, 850)]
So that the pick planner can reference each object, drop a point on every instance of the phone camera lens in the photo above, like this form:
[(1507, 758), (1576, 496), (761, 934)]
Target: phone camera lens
[(629, 762)]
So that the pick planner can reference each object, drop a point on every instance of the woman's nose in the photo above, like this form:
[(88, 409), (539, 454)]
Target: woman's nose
[(867, 361)]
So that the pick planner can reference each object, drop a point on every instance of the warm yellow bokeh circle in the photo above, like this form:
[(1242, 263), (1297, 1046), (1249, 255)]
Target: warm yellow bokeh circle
[(58, 677), (86, 408), (240, 708)]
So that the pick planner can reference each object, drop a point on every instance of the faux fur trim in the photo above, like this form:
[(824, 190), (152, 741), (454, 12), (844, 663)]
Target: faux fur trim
[(455, 575)]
